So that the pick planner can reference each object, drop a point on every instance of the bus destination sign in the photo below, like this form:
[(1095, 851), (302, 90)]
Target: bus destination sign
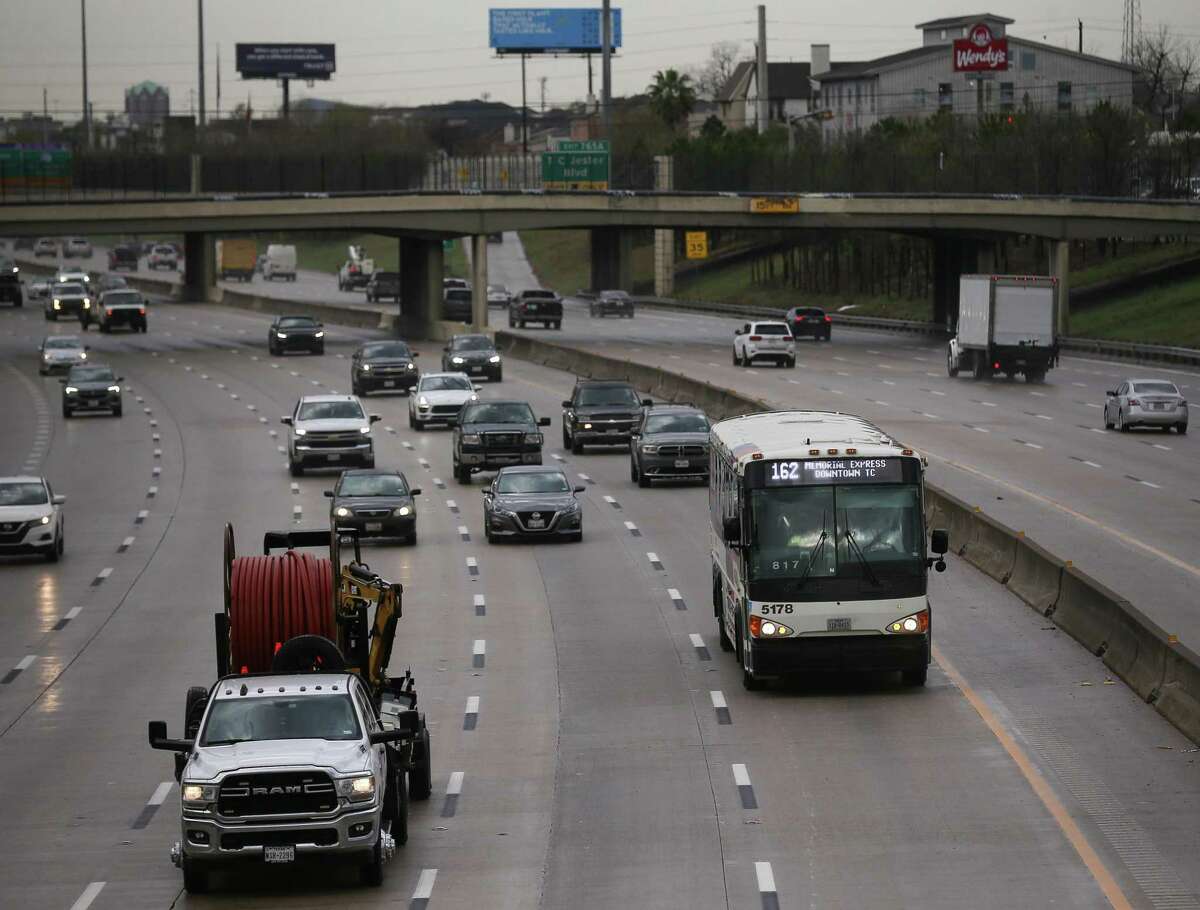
[(833, 471)]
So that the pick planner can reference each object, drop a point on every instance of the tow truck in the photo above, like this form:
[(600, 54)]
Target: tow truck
[(304, 746)]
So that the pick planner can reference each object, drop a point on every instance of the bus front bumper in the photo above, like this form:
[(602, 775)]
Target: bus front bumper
[(839, 653)]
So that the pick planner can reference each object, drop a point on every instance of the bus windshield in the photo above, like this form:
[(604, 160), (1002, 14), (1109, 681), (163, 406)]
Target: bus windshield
[(847, 541)]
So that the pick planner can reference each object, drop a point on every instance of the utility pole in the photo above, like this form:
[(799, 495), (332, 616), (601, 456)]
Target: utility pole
[(606, 37), (45, 118), (542, 80), (763, 106), (200, 36), (217, 112), (87, 108), (524, 112), (1081, 36)]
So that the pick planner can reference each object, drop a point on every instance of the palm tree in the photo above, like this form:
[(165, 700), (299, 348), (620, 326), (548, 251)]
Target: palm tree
[(672, 96)]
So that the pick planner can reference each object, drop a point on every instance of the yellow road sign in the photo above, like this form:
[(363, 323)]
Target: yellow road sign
[(697, 244), (771, 205)]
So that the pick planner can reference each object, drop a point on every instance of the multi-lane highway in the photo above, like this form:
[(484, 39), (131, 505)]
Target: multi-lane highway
[(599, 771)]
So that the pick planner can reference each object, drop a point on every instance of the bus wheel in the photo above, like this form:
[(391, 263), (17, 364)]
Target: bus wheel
[(750, 684), (915, 677)]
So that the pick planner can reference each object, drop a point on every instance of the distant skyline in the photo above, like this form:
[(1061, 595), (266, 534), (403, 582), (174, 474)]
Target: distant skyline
[(438, 52)]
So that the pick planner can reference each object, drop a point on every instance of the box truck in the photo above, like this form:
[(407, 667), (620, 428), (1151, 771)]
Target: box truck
[(1006, 324), (236, 259)]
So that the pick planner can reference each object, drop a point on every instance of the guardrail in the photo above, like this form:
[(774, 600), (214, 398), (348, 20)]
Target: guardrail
[(1155, 665)]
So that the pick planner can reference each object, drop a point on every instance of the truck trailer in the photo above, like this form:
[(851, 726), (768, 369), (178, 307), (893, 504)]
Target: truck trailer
[(236, 258), (1006, 324)]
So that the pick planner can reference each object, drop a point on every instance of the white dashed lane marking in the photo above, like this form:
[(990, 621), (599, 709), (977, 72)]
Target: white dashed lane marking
[(480, 605), (471, 715), (701, 648), (676, 598), (478, 653), (741, 777), (22, 665), (89, 895), (424, 890), (717, 697)]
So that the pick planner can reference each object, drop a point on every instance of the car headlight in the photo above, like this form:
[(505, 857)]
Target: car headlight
[(422, 401), (910, 625), (401, 512), (572, 508), (198, 794), (114, 388), (412, 366), (503, 513), (45, 519), (586, 426), (341, 512), (279, 334), (533, 439), (495, 358), (319, 335), (70, 390), (473, 398), (365, 430), (57, 303), (457, 360), (357, 789), (300, 431), (471, 439), (649, 450), (46, 357), (83, 355), (365, 367)]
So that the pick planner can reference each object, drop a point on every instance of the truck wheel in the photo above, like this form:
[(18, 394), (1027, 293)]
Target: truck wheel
[(372, 869), (193, 712), (1034, 375), (195, 877), (951, 366), (395, 809), (420, 776)]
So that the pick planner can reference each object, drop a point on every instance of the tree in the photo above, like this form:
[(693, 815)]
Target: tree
[(712, 76), (672, 97), (713, 128)]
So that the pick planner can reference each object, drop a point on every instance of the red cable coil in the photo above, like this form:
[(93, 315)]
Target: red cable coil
[(274, 598)]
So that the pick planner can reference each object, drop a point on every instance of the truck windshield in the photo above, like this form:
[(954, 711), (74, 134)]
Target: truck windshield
[(605, 396), (858, 540), (245, 720), (501, 412), (330, 410)]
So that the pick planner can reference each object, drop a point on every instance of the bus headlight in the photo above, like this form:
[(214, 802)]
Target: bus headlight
[(768, 628), (915, 624)]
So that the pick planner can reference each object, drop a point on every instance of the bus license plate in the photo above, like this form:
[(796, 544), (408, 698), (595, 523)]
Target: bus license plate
[(279, 854), (838, 624)]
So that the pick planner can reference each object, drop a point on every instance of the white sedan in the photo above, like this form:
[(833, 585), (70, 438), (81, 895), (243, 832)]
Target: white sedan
[(764, 341), (31, 519), (438, 397)]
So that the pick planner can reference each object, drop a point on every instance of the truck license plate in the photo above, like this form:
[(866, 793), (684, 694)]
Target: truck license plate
[(374, 526), (279, 854), (838, 624), (333, 457), (681, 462), (389, 383)]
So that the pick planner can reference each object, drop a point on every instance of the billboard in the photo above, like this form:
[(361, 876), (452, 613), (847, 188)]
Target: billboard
[(980, 51), (549, 31), (290, 61)]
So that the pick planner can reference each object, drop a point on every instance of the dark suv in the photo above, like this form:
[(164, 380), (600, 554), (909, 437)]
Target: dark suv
[(383, 365), (536, 305), (123, 256), (475, 355), (383, 284), (490, 435), (811, 321), (611, 303), (601, 412), (10, 282), (671, 443)]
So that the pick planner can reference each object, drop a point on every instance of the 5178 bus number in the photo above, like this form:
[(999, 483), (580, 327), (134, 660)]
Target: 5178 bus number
[(773, 609)]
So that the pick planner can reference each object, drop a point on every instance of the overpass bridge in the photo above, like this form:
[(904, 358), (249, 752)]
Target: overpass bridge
[(963, 228)]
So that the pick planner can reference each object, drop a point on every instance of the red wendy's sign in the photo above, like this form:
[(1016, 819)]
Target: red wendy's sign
[(980, 51)]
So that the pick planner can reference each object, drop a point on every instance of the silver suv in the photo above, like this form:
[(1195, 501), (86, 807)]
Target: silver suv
[(287, 766), (329, 431)]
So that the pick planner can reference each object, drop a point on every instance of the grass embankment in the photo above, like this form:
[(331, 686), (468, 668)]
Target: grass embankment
[(1140, 259), (327, 252), (1168, 314), (562, 259)]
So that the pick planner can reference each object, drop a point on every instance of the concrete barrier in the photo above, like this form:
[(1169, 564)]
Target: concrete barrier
[(359, 317), (992, 548), (1036, 576), (1159, 669)]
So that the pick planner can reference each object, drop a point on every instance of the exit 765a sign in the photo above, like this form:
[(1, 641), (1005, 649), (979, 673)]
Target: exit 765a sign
[(577, 166)]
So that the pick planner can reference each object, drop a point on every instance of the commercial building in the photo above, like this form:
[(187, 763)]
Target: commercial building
[(147, 103)]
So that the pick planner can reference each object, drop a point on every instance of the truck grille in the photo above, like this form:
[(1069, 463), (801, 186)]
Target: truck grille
[(501, 440), (337, 441), (282, 793), (322, 837)]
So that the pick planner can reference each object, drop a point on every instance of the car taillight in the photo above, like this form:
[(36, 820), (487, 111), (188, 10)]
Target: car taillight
[(108, 312), (800, 319), (141, 311), (829, 319), (756, 337), (996, 365), (1134, 401)]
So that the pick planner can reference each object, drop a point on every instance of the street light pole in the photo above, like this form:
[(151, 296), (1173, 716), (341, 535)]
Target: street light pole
[(200, 34), (606, 37), (87, 108)]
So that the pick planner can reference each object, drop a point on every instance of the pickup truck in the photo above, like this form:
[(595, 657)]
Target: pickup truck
[(10, 282), (123, 256), (535, 305), (490, 435), (118, 307), (280, 767)]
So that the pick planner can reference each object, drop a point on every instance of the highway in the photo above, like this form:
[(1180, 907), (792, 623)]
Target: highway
[(600, 772)]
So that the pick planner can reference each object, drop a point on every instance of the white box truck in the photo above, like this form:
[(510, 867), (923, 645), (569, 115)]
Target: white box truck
[(280, 262), (1006, 324)]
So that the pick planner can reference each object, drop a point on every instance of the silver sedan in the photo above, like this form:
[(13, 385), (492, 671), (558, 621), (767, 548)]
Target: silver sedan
[(1145, 403)]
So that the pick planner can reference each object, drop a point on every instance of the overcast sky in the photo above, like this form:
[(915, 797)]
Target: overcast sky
[(406, 52)]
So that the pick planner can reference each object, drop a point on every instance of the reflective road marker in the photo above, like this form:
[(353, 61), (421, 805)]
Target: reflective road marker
[(471, 715), (700, 646), (720, 706), (478, 653), (676, 598), (741, 777), (453, 791), (23, 664), (423, 891), (766, 886)]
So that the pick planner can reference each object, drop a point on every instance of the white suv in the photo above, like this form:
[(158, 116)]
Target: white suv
[(329, 431), (31, 519), (438, 397), (764, 341), (163, 256)]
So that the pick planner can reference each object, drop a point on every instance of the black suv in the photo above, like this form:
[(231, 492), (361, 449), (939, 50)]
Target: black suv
[(671, 443), (295, 333), (490, 435), (475, 355), (611, 303), (601, 412), (809, 320), (535, 305), (10, 282), (123, 256), (383, 365)]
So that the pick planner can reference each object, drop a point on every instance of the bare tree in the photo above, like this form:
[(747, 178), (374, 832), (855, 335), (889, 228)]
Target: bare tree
[(712, 76), (1153, 56)]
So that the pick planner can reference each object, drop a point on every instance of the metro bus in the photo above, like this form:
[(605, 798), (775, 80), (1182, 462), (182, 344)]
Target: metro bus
[(819, 555)]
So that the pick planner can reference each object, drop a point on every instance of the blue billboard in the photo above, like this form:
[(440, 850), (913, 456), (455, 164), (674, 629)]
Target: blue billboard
[(549, 31)]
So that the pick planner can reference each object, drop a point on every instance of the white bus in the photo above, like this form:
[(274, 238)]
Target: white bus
[(819, 553)]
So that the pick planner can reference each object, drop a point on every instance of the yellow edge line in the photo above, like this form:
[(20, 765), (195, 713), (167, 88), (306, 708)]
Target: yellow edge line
[(1104, 878), (1120, 535)]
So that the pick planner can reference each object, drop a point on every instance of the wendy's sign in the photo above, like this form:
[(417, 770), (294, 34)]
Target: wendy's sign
[(980, 51)]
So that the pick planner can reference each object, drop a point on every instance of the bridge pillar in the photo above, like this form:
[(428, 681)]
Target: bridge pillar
[(199, 267), (420, 286), (612, 259), (479, 281), (664, 238), (1060, 268)]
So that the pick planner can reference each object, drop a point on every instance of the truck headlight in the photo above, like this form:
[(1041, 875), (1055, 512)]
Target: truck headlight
[(319, 335), (495, 358), (471, 439), (341, 512), (586, 426), (357, 789), (300, 431), (401, 512), (457, 360), (412, 366), (70, 390), (767, 628), (198, 794), (365, 430), (57, 304), (114, 388), (649, 450), (422, 401), (534, 439), (366, 368), (281, 334)]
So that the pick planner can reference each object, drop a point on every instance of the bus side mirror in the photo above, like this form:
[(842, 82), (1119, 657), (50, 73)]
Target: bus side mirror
[(731, 531), (939, 541)]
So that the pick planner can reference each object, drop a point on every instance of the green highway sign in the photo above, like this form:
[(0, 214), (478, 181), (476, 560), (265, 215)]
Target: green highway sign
[(577, 165)]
